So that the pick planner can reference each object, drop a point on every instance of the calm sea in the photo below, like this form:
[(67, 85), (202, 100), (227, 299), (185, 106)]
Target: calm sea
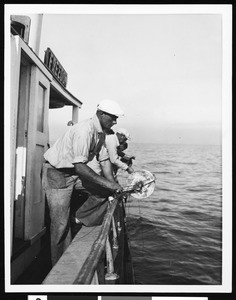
[(175, 234)]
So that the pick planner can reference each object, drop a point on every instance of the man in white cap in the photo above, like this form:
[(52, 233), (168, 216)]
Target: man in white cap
[(112, 143), (66, 169)]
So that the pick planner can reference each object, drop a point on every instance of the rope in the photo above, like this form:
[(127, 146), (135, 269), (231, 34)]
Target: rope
[(141, 229), (129, 240)]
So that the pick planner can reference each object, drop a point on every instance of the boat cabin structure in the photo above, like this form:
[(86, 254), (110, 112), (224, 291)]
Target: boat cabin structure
[(36, 87)]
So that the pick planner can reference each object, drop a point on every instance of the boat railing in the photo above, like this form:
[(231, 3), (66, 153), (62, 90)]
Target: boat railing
[(86, 273), (101, 261)]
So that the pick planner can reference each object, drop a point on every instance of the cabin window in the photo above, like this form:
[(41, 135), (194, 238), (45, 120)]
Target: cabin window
[(58, 122), (17, 29), (20, 25)]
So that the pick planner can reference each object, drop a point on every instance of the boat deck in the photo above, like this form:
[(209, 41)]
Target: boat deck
[(73, 260)]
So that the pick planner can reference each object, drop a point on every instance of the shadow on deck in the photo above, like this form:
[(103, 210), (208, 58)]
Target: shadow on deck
[(41, 266)]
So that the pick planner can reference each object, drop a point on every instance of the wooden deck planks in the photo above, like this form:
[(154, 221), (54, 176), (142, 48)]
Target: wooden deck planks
[(67, 268)]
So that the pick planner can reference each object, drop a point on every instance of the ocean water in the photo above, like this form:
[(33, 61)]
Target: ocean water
[(176, 234)]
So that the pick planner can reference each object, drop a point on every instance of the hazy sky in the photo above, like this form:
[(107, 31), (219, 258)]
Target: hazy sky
[(164, 70)]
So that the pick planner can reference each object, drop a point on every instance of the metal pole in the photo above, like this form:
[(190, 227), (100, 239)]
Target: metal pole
[(115, 242), (110, 275), (119, 207)]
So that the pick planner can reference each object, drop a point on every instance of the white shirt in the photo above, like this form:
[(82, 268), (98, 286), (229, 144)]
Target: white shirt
[(76, 145), (111, 144), (95, 166)]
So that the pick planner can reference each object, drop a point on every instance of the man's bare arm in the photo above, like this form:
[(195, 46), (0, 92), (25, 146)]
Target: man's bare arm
[(107, 169), (85, 172)]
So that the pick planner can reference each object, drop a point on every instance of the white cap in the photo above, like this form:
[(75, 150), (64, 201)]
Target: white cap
[(111, 107), (124, 132)]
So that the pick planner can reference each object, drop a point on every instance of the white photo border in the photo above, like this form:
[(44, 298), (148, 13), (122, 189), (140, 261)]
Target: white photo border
[(226, 12)]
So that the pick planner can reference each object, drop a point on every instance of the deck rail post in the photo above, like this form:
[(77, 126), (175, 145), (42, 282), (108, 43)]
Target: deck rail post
[(118, 226), (86, 273), (119, 217), (114, 234), (110, 275)]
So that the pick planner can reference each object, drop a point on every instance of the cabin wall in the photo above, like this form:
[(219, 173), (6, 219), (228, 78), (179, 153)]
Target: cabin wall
[(14, 77), (22, 127), (33, 88), (37, 141), (30, 89)]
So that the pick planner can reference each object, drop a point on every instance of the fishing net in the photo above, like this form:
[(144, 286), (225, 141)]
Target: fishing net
[(148, 181)]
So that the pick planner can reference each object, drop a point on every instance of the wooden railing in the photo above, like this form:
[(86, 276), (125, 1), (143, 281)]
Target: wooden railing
[(102, 259), (87, 272)]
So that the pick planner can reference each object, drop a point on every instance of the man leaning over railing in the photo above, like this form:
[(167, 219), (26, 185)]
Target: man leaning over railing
[(66, 169), (116, 143)]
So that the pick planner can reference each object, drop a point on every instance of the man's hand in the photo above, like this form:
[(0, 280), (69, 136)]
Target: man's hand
[(138, 186), (116, 187), (130, 170), (86, 173), (128, 160)]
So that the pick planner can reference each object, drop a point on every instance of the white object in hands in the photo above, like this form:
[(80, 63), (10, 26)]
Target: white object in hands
[(148, 181)]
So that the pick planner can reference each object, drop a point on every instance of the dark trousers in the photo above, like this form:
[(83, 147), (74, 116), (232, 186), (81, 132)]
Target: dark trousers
[(59, 185)]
